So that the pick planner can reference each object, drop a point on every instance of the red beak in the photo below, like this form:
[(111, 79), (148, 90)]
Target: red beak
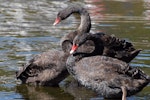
[(73, 49), (57, 20)]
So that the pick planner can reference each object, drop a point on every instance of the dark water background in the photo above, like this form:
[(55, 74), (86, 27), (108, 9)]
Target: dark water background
[(26, 29)]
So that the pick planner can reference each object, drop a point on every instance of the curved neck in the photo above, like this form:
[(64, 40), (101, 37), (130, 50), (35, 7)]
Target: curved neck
[(85, 24), (98, 43)]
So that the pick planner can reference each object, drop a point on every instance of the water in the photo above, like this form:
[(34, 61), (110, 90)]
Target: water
[(26, 29)]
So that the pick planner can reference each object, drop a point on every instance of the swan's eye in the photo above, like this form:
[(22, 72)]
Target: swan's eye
[(78, 45), (58, 14)]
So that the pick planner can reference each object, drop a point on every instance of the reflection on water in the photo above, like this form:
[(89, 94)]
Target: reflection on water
[(26, 29), (69, 91), (42, 93)]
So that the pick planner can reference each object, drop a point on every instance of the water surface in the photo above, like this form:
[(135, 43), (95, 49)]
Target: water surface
[(26, 29)]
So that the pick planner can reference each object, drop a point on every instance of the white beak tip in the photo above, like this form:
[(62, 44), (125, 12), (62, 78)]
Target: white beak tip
[(72, 51), (54, 24)]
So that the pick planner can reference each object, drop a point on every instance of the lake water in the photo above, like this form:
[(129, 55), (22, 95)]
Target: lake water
[(26, 29)]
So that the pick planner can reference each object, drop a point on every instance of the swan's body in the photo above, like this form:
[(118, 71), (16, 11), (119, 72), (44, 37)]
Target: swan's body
[(107, 76), (46, 69)]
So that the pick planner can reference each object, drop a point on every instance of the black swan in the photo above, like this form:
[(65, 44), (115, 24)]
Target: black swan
[(109, 77), (107, 45), (46, 69), (112, 46)]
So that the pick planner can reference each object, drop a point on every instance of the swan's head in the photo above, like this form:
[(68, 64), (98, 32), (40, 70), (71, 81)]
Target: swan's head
[(78, 41), (63, 14), (66, 12), (57, 20)]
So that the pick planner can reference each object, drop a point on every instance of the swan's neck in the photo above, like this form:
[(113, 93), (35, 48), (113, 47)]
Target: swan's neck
[(85, 24), (97, 43)]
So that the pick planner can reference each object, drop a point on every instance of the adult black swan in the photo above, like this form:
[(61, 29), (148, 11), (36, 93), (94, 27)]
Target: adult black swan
[(105, 44), (109, 77)]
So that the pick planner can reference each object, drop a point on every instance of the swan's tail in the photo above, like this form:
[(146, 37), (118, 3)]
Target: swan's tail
[(144, 76), (138, 74), (23, 72)]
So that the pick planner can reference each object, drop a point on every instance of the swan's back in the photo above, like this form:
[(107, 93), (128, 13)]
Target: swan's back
[(101, 63)]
